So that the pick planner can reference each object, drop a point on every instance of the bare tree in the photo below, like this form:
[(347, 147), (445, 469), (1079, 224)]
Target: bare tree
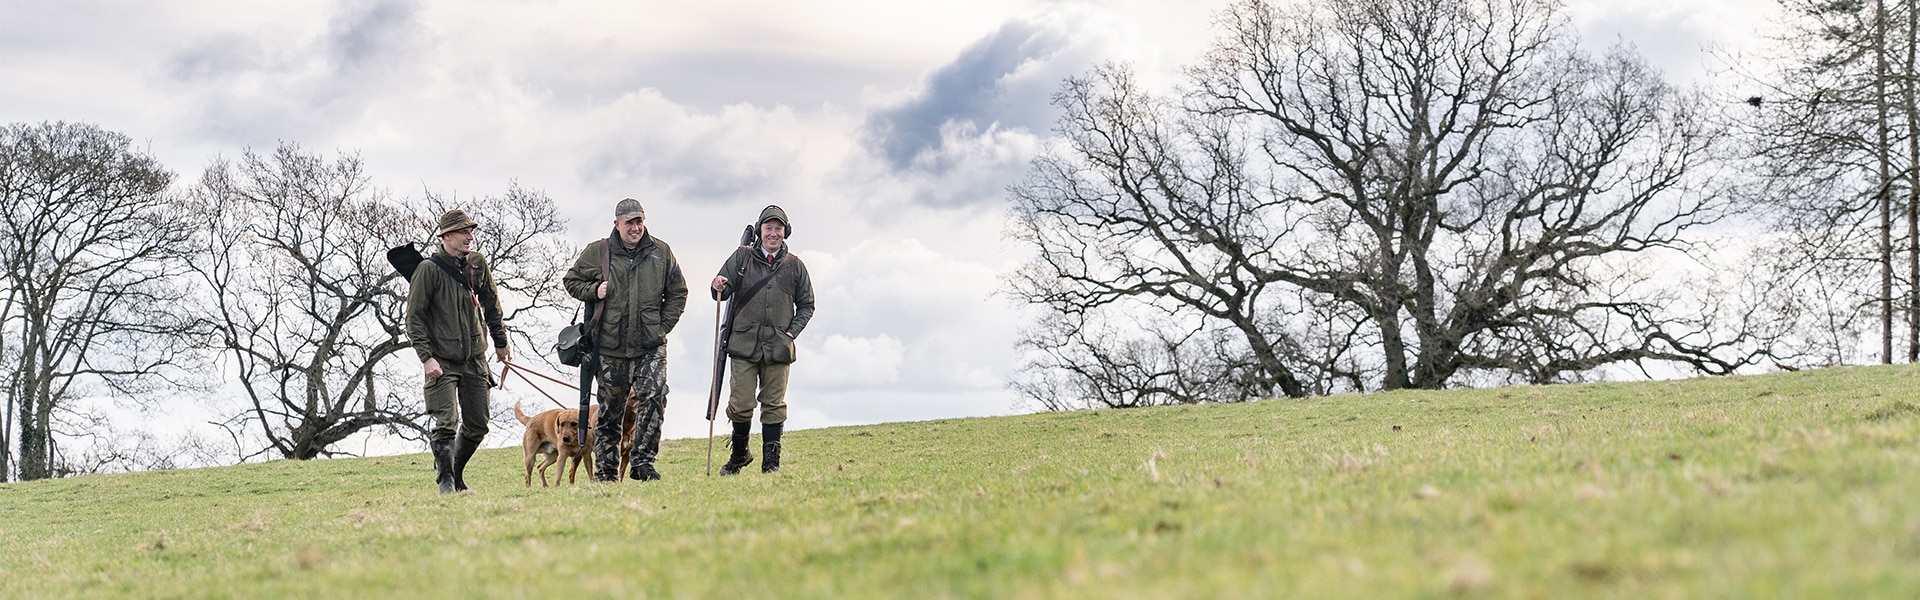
[(1828, 137), (94, 251), (1382, 194), (307, 308)]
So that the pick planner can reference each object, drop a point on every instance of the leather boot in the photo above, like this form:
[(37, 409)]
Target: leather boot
[(442, 464), (740, 456), (462, 452), (770, 447), (644, 472)]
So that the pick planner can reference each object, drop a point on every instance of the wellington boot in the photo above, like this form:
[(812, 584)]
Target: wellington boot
[(462, 452), (442, 464)]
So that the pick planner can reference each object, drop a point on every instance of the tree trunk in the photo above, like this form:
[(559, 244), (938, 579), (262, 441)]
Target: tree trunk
[(1884, 193), (33, 439), (1913, 181), (6, 442), (1394, 345)]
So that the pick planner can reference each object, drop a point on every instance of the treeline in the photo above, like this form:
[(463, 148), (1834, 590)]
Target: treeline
[(266, 276), (1360, 195), (1339, 196)]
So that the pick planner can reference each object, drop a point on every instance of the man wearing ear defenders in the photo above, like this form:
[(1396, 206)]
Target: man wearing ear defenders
[(772, 302)]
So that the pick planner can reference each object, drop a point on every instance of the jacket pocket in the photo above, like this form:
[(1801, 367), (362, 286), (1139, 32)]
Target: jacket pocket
[(740, 341), (448, 346), (783, 349), (612, 330), (650, 329)]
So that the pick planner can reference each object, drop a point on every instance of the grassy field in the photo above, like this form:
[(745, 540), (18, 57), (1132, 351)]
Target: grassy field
[(1799, 485)]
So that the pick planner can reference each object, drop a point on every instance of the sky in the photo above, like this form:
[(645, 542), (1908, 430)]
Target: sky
[(889, 131)]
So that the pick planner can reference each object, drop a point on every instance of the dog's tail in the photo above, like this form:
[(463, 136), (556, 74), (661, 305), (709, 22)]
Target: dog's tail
[(520, 415)]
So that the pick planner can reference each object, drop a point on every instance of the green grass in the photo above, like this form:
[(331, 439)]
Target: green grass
[(1798, 485)]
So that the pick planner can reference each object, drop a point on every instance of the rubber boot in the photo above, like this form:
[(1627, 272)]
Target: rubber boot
[(740, 456), (462, 452), (442, 464), (770, 447)]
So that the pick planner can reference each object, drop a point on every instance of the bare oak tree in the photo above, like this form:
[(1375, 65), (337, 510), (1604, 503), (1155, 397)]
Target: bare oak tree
[(1373, 194), (306, 306), (95, 252)]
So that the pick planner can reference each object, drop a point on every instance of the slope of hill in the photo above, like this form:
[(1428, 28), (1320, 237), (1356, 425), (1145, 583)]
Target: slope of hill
[(1798, 484)]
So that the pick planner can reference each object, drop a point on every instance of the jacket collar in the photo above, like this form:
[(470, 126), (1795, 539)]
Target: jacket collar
[(641, 249), (457, 261), (774, 259)]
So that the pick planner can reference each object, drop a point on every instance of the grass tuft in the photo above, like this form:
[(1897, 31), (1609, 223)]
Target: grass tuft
[(1897, 410)]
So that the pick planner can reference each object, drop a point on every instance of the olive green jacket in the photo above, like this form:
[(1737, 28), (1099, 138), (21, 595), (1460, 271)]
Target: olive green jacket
[(764, 329), (444, 318), (644, 301)]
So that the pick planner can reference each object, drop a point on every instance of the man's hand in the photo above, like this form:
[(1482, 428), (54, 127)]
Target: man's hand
[(719, 283), (432, 367), (503, 354), (603, 290)]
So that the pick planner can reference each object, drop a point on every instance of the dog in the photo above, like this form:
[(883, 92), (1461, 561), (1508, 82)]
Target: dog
[(551, 436)]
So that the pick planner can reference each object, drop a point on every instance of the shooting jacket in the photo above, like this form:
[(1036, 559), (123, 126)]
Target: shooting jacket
[(444, 317), (764, 329), (645, 297)]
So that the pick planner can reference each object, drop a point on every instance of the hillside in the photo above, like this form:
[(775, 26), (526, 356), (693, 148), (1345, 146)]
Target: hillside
[(1795, 484)]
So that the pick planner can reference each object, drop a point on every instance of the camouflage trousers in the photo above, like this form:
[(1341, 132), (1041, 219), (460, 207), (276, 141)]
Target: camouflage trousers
[(642, 381)]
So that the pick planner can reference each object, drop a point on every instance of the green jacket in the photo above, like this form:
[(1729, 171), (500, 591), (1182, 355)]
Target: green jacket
[(444, 317), (644, 300), (764, 329)]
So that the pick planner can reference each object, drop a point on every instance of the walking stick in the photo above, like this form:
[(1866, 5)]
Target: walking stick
[(713, 396)]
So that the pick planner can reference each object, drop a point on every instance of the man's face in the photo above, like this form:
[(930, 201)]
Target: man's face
[(772, 235), (458, 243), (631, 230)]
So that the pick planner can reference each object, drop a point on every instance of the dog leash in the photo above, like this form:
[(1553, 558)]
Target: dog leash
[(522, 372)]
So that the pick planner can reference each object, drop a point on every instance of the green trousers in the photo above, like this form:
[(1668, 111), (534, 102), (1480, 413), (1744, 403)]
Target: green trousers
[(459, 396), (758, 383)]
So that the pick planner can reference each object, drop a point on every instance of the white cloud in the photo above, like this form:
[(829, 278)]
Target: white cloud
[(889, 130), (840, 362), (1677, 37)]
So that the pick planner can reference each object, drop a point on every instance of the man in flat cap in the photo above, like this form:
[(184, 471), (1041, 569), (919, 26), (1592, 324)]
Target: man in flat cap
[(642, 294), (772, 302), (452, 307)]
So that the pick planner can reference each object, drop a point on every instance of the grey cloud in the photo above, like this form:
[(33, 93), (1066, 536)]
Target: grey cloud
[(254, 88), (706, 80), (370, 32), (978, 90), (973, 124), (216, 57), (708, 168)]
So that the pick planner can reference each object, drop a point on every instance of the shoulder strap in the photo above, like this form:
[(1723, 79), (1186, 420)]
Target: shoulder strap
[(606, 272), (740, 300), (452, 272)]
